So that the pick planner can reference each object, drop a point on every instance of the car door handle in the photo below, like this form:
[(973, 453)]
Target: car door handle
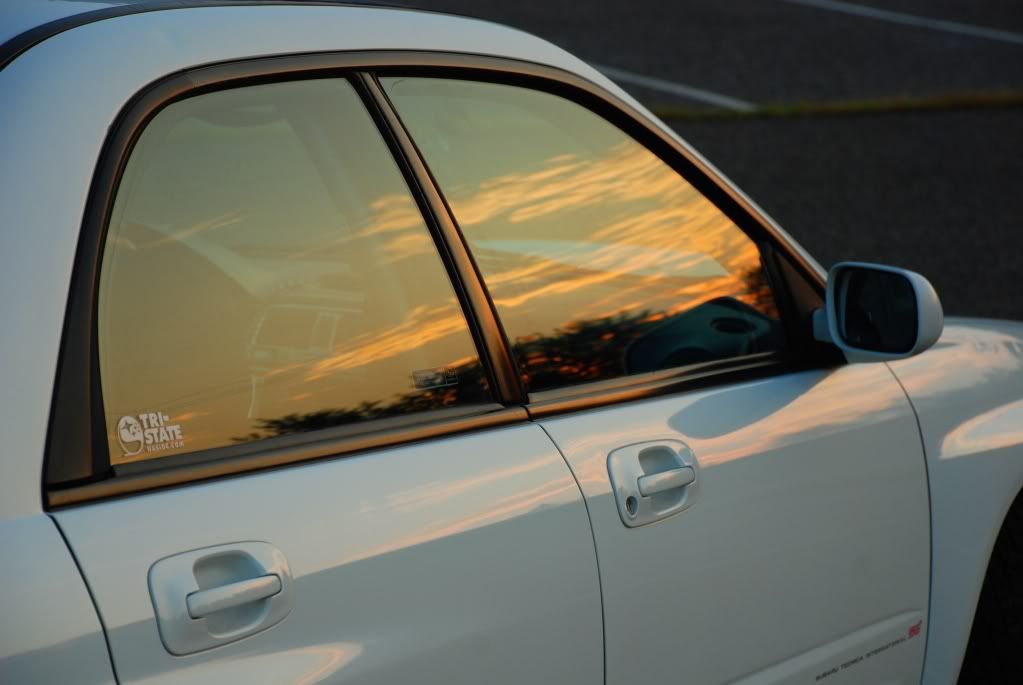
[(666, 480), (206, 602), (653, 480), (211, 596)]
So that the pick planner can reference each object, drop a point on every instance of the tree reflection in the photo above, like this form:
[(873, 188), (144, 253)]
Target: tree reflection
[(759, 295), (580, 352), (471, 388)]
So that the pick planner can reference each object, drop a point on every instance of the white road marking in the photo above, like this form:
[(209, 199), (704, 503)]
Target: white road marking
[(913, 20), (698, 94)]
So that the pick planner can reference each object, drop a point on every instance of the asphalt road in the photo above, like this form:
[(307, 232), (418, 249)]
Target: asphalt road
[(938, 191)]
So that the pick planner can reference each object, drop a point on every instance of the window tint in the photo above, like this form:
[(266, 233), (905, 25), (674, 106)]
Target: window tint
[(267, 272), (601, 260)]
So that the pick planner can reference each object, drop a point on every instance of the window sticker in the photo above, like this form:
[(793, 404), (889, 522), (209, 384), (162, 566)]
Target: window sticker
[(148, 432)]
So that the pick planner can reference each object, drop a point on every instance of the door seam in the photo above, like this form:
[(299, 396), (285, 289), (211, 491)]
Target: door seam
[(930, 515), (92, 596), (593, 536)]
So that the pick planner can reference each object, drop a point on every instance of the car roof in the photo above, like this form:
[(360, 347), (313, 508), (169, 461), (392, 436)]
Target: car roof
[(20, 16), (24, 23)]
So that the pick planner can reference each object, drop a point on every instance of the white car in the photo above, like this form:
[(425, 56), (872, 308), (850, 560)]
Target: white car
[(363, 345)]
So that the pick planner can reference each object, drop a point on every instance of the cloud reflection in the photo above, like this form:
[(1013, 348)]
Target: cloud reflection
[(571, 221)]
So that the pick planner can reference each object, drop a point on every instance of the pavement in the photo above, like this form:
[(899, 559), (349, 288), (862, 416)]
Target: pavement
[(887, 131)]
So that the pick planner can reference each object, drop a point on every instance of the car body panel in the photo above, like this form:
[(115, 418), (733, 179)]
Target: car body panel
[(49, 629), (807, 536), (461, 560), (968, 393)]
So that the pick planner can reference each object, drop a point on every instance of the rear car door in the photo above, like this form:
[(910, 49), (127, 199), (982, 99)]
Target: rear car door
[(304, 467), (759, 510)]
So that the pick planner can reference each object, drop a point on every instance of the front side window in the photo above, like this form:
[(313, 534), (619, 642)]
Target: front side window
[(601, 260), (266, 272)]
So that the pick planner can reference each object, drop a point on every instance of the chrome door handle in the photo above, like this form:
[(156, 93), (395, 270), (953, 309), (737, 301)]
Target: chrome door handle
[(205, 602), (666, 480)]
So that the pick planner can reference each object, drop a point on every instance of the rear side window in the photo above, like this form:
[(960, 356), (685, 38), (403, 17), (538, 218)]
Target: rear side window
[(601, 260), (267, 272)]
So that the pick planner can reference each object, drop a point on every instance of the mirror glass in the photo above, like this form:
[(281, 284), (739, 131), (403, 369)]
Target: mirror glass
[(877, 310)]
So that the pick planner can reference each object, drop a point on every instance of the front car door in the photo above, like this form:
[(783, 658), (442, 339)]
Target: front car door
[(307, 468), (757, 514)]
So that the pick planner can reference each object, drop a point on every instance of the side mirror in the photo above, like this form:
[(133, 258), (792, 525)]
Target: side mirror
[(877, 313)]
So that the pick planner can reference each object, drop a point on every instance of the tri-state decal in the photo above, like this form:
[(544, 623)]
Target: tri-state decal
[(148, 432)]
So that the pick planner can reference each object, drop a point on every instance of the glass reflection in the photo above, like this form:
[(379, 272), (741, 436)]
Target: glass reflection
[(601, 260), (267, 273)]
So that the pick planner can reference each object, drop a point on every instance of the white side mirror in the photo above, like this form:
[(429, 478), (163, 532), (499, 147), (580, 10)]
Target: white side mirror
[(877, 313)]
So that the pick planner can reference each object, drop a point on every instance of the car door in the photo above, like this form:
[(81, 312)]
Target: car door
[(303, 466), (760, 511)]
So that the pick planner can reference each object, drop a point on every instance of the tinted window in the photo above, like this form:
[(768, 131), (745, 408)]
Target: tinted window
[(601, 259), (266, 272)]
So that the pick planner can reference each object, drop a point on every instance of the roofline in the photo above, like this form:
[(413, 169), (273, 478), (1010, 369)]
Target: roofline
[(26, 40)]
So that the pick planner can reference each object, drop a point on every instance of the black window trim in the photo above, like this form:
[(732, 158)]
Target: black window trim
[(480, 311), (77, 468)]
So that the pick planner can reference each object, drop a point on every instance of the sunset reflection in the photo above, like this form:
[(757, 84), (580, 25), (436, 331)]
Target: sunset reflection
[(582, 233), (269, 273)]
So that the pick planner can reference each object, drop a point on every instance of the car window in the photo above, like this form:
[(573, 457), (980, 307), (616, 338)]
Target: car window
[(267, 272), (601, 260)]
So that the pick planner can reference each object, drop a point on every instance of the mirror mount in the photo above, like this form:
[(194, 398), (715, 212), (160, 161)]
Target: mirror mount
[(876, 313)]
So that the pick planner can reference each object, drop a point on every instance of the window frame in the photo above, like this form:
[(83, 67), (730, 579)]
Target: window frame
[(77, 466)]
